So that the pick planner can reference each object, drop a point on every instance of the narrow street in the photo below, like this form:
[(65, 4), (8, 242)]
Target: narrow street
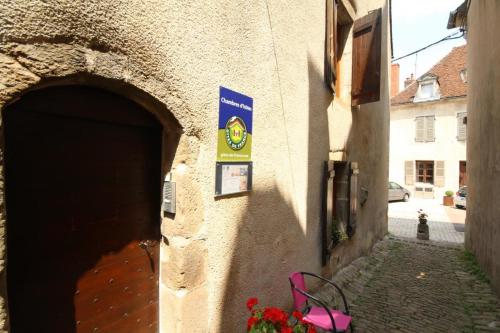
[(418, 286)]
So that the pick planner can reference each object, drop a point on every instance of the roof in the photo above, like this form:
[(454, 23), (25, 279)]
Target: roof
[(447, 71), (458, 17)]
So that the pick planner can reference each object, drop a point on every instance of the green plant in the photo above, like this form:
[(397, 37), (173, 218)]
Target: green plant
[(472, 267), (422, 215), (338, 233), (448, 193)]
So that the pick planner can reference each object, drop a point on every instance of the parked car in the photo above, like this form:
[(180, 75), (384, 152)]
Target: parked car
[(460, 198), (398, 192)]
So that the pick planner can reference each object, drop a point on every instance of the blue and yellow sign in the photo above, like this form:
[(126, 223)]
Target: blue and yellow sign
[(235, 126)]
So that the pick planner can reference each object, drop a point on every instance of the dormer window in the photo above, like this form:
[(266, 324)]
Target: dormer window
[(463, 75), (428, 89)]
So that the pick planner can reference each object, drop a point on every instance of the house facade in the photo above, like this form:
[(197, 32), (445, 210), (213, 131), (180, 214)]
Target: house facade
[(428, 129), (111, 112)]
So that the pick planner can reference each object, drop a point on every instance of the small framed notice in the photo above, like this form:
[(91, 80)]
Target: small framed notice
[(233, 177)]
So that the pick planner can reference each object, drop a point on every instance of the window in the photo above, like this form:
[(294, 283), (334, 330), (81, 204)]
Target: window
[(340, 203), (428, 89), (463, 75), (425, 172), (366, 58), (338, 24), (331, 44), (462, 176), (394, 186), (424, 129), (461, 126)]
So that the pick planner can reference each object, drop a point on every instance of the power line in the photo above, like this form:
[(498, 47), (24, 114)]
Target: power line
[(449, 37)]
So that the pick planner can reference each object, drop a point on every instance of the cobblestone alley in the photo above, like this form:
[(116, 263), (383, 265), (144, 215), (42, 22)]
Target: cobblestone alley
[(415, 286)]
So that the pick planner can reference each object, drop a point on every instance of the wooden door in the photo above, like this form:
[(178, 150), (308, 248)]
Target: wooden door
[(462, 178), (83, 185), (425, 172)]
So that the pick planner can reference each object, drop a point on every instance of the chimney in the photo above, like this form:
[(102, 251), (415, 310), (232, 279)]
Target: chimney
[(394, 79), (409, 80)]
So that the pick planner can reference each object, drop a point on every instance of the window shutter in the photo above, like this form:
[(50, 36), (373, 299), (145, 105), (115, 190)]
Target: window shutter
[(419, 129), (461, 127), (429, 128), (409, 170), (331, 43), (366, 48), (439, 174), (353, 199)]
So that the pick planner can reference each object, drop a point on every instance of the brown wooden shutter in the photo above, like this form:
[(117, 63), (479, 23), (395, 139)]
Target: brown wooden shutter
[(429, 128), (331, 43), (409, 173), (419, 129), (328, 207), (439, 174), (461, 126), (366, 49), (353, 199)]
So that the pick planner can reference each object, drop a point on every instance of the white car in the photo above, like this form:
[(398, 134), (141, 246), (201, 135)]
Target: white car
[(460, 200)]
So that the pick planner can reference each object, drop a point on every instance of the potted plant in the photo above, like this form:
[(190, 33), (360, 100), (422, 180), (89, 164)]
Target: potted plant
[(448, 198), (422, 227), (338, 233), (275, 320)]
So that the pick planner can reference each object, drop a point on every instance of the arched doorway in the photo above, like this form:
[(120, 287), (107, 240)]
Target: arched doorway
[(83, 184)]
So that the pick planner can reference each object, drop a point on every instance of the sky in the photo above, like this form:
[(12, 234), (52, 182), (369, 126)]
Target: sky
[(417, 23)]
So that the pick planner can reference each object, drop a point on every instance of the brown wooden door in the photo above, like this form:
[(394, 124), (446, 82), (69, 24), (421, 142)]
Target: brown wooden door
[(462, 178), (425, 171), (83, 213)]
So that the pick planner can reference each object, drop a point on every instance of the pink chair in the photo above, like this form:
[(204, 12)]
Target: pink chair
[(322, 316)]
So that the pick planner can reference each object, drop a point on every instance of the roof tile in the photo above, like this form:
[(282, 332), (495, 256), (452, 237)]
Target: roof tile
[(448, 72)]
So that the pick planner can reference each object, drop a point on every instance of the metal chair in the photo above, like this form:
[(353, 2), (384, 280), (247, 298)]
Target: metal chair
[(321, 316)]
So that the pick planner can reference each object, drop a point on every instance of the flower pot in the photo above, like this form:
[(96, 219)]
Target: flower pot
[(423, 231), (447, 201)]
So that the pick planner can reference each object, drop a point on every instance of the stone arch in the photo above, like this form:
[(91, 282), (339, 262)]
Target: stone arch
[(75, 66)]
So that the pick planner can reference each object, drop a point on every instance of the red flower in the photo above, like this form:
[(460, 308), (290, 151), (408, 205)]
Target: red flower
[(251, 321), (286, 329), (251, 303), (297, 315), (275, 315)]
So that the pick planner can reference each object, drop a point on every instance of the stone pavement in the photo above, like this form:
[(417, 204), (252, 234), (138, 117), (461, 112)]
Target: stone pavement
[(445, 223), (417, 286), (438, 231), (433, 207)]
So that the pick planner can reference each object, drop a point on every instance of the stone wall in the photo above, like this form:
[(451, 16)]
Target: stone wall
[(482, 228), (171, 58)]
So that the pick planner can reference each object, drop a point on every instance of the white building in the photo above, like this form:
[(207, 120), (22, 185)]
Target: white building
[(428, 129)]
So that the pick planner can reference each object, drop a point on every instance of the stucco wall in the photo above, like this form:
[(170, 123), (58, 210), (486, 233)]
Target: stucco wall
[(172, 58), (482, 228), (446, 147), (361, 134)]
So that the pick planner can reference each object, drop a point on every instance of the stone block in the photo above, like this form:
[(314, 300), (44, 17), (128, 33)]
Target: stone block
[(195, 311), (183, 310), (184, 263)]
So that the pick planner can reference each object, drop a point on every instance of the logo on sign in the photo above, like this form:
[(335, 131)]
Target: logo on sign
[(236, 133)]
